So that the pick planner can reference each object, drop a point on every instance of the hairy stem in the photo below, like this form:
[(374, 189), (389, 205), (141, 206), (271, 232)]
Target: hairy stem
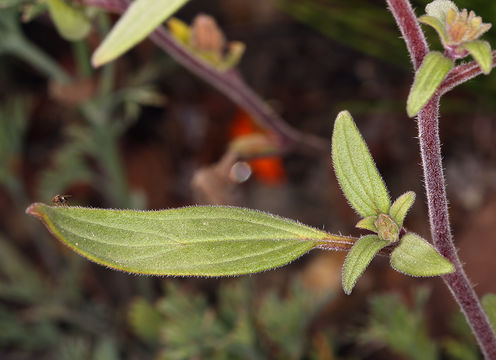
[(410, 30), (430, 148), (461, 74), (457, 282)]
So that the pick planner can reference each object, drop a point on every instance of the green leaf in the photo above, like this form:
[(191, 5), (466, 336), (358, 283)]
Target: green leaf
[(415, 256), (489, 304), (367, 223), (435, 23), (356, 172), (71, 22), (359, 257), (139, 20), (400, 207), (429, 76), (481, 52), (200, 241)]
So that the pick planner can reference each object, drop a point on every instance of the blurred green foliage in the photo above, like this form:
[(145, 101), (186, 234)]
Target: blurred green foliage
[(403, 329), (240, 325)]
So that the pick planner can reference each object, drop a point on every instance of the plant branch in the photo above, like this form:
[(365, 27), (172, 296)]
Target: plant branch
[(430, 148), (457, 282), (410, 30), (229, 83), (461, 74)]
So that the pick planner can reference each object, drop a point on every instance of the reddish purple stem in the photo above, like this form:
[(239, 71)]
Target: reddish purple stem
[(430, 148), (229, 83)]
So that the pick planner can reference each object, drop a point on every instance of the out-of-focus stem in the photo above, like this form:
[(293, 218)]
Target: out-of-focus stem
[(229, 83)]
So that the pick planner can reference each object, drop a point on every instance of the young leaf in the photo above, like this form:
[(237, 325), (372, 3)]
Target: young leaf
[(429, 76), (201, 241), (139, 20), (367, 223), (481, 52), (489, 304), (356, 172), (415, 256), (401, 206), (435, 23), (359, 257), (71, 23)]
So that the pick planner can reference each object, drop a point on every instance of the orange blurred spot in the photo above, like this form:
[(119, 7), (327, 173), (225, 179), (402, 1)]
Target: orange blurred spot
[(268, 170)]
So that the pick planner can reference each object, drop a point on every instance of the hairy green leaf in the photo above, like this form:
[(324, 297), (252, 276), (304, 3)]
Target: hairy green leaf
[(429, 76), (367, 223), (359, 257), (200, 241), (489, 304), (435, 23), (400, 207), (71, 22), (415, 256), (481, 52), (356, 172), (139, 20)]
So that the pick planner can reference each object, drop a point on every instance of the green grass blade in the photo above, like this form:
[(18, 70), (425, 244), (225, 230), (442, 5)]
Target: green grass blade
[(356, 172), (197, 241), (140, 19)]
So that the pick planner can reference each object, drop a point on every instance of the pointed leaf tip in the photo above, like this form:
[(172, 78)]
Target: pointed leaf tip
[(429, 76), (416, 257), (359, 257), (139, 20), (355, 169), (400, 207)]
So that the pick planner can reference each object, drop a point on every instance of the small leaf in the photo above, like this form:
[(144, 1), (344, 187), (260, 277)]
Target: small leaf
[(233, 56), (429, 76), (139, 20), (437, 25), (367, 223), (355, 170), (481, 52), (415, 256), (71, 22), (200, 241), (489, 304), (359, 257), (400, 207), (180, 30)]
